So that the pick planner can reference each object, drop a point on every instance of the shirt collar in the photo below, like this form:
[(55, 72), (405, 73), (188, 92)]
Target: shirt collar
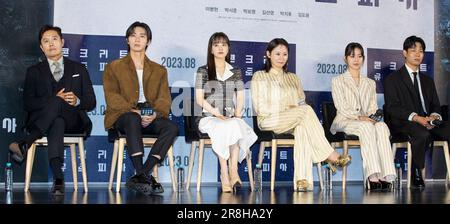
[(60, 61), (227, 73)]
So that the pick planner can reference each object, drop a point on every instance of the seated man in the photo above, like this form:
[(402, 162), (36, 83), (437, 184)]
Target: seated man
[(129, 83), (411, 100), (57, 94)]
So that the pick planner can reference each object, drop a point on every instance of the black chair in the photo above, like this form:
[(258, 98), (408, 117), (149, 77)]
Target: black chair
[(119, 141), (191, 112), (340, 139), (270, 139), (70, 139)]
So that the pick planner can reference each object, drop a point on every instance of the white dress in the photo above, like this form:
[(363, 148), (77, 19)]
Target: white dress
[(224, 133)]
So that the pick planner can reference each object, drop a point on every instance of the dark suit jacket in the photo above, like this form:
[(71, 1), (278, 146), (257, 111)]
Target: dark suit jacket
[(121, 87), (40, 86), (399, 96)]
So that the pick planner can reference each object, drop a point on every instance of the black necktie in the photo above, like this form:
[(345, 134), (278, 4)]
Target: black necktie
[(416, 88)]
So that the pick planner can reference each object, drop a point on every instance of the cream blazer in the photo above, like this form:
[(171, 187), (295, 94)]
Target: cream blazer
[(351, 100)]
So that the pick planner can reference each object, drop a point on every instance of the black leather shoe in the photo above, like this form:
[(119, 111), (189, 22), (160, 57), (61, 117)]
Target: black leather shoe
[(373, 186), (140, 183), (385, 186), (18, 151), (58, 187), (416, 179), (157, 187)]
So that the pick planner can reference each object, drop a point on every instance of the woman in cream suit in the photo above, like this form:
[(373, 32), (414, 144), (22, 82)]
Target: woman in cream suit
[(355, 99), (279, 102)]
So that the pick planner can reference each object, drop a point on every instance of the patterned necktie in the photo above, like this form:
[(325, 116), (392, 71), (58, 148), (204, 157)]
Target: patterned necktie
[(416, 88), (57, 74)]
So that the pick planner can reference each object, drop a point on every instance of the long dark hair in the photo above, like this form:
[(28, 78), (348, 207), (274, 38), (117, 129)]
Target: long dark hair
[(216, 38), (273, 44)]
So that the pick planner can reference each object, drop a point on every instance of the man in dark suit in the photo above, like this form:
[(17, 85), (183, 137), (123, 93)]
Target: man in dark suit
[(57, 94), (412, 101)]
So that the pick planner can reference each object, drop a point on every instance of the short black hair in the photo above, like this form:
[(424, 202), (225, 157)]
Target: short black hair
[(131, 28), (48, 27), (411, 41), (273, 44), (350, 49)]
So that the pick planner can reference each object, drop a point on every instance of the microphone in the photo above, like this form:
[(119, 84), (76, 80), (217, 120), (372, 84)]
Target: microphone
[(377, 116), (436, 122)]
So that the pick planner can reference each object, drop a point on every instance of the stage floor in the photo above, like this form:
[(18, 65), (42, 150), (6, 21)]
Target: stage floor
[(436, 192)]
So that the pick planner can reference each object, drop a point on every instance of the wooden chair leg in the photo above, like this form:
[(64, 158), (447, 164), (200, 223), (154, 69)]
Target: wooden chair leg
[(113, 164), (250, 171), (172, 169), (200, 163), (319, 173), (262, 146), (83, 163), (155, 172), (447, 161), (191, 164), (120, 163), (73, 158), (273, 164), (29, 166), (344, 169)]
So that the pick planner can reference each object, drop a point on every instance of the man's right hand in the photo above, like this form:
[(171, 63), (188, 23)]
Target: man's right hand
[(423, 121), (136, 111), (61, 94)]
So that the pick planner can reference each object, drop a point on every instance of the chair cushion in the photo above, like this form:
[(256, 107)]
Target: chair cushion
[(399, 137)]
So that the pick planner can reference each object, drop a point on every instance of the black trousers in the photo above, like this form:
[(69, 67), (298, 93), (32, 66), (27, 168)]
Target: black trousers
[(54, 120), (130, 124), (420, 139)]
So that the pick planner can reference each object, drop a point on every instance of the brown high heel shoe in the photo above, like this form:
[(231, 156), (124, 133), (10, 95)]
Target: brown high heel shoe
[(302, 185), (226, 188)]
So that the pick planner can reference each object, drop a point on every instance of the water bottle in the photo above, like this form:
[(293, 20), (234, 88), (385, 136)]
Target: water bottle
[(180, 179), (8, 175), (398, 172), (327, 183), (258, 178)]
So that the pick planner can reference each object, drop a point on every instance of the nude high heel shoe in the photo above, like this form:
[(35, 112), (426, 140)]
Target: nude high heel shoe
[(226, 188)]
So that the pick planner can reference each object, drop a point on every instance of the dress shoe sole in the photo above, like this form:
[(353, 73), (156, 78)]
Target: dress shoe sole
[(141, 188)]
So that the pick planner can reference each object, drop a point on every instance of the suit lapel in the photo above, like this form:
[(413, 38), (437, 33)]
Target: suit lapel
[(44, 67), (406, 79), (132, 77), (67, 77), (351, 84), (148, 71)]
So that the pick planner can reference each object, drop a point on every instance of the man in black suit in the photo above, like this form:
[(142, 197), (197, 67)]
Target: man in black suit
[(412, 101), (57, 94)]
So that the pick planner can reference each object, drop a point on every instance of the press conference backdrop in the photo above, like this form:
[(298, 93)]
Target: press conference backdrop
[(317, 31)]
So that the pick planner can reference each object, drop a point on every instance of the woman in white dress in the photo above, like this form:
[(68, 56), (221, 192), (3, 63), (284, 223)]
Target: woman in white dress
[(219, 90)]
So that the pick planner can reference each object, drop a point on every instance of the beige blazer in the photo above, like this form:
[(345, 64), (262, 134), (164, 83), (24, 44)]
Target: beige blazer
[(351, 100)]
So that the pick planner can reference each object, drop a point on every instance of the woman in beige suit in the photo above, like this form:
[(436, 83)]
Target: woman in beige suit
[(355, 99), (279, 102)]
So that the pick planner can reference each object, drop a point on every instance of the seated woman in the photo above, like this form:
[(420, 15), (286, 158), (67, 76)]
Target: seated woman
[(355, 99), (279, 102), (216, 84)]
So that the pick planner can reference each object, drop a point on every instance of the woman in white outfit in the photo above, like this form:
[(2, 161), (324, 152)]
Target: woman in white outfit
[(279, 101), (219, 90), (355, 99)]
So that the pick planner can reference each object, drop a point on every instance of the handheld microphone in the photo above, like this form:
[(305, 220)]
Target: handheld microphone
[(377, 116), (436, 122)]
